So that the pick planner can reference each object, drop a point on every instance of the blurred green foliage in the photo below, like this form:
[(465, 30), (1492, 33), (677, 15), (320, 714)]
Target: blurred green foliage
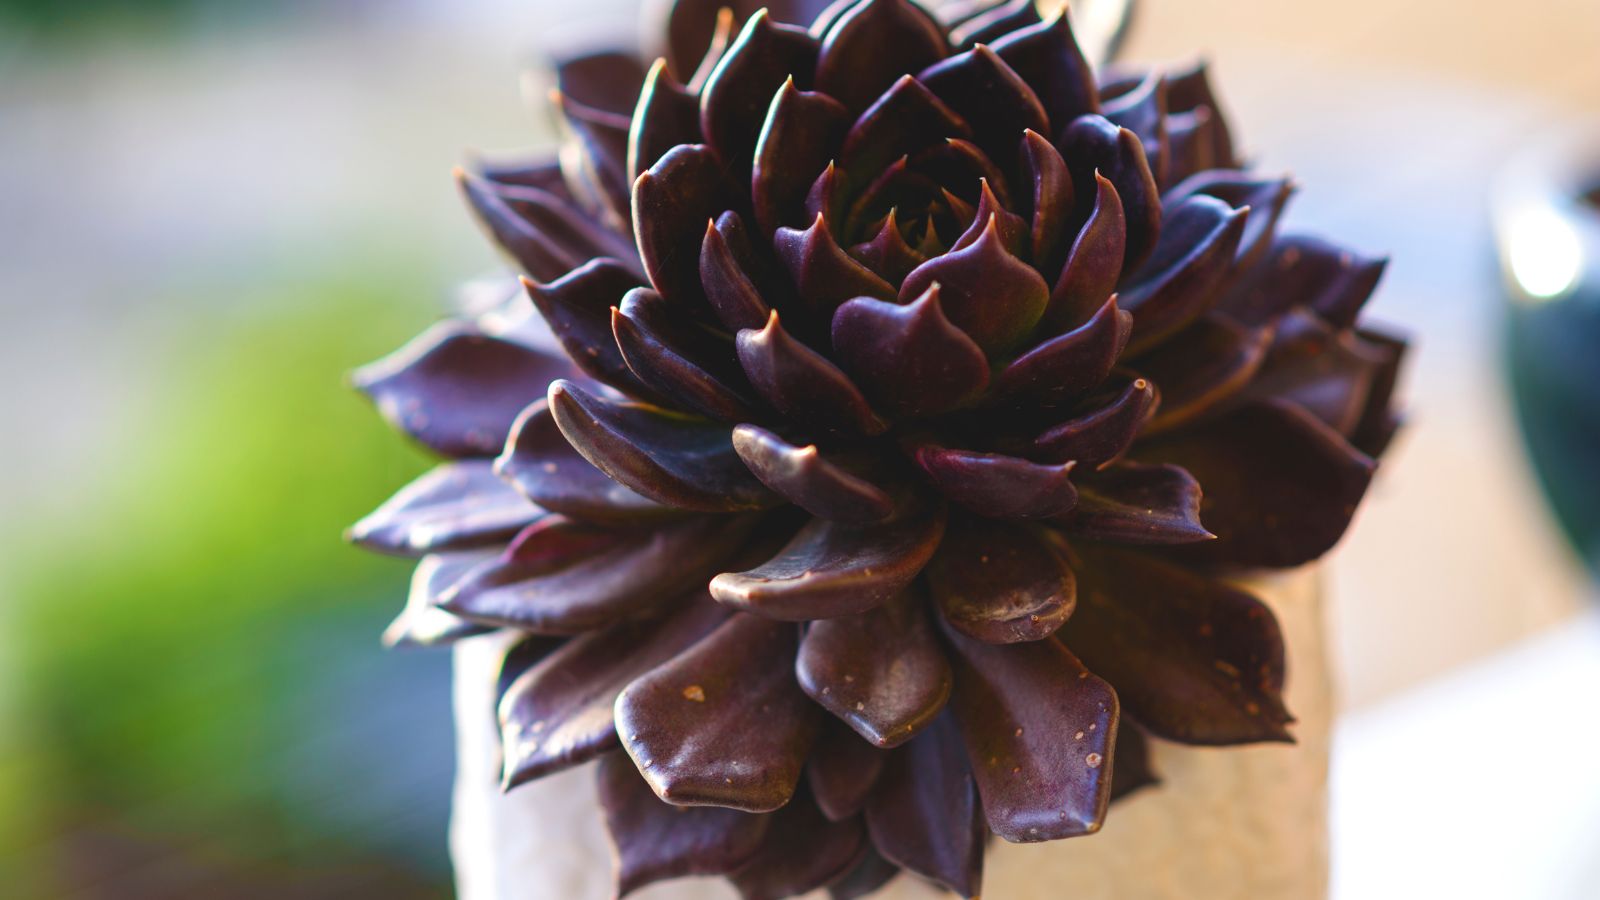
[(185, 640), (57, 16)]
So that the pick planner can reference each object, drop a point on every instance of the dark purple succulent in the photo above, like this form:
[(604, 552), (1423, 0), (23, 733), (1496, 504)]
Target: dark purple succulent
[(912, 389)]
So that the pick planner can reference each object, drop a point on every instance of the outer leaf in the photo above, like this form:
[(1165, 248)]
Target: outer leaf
[(671, 204), (1280, 485), (1001, 583), (558, 713), (1100, 438), (564, 577), (1133, 504), (925, 814), (1185, 274), (996, 485), (539, 462), (801, 135), (455, 390), (722, 724), (763, 57), (803, 851), (655, 841), (1039, 731), (1068, 365), (830, 569), (872, 45), (674, 461), (453, 506), (808, 479), (577, 307), (1193, 659), (423, 623), (842, 771), (881, 672), (1047, 57)]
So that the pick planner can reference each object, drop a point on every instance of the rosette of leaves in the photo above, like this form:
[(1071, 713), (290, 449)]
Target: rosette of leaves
[(885, 395)]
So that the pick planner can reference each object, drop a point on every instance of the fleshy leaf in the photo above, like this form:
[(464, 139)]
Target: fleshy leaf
[(1328, 373), (1308, 271), (671, 204), (659, 352), (842, 771), (762, 59), (541, 463), (872, 45), (608, 80), (674, 461), (577, 307), (1068, 365), (1047, 58), (655, 841), (1201, 368), (1280, 486), (803, 852), (868, 876), (1099, 438), (803, 130), (1001, 582), (824, 274), (600, 163), (456, 390), (808, 479), (1094, 263), (907, 119), (881, 672), (565, 577), (1190, 91), (1132, 769), (545, 235), (1379, 422), (1142, 109), (1266, 198), (423, 623), (1050, 197), (802, 384), (454, 506), (1039, 729), (985, 291), (888, 254), (996, 485), (1092, 146), (558, 713), (832, 569), (1012, 228), (908, 358), (727, 267), (1130, 503), (991, 98), (1194, 660), (1188, 269), (925, 814), (723, 723), (995, 22), (668, 114)]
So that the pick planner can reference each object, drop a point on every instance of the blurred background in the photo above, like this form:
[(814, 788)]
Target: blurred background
[(210, 210)]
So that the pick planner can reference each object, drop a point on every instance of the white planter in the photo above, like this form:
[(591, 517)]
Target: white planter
[(1224, 823)]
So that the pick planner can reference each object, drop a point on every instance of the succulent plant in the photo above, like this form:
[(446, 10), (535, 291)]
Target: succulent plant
[(859, 462)]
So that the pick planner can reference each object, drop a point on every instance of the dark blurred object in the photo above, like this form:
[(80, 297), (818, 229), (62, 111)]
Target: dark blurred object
[(1547, 227)]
